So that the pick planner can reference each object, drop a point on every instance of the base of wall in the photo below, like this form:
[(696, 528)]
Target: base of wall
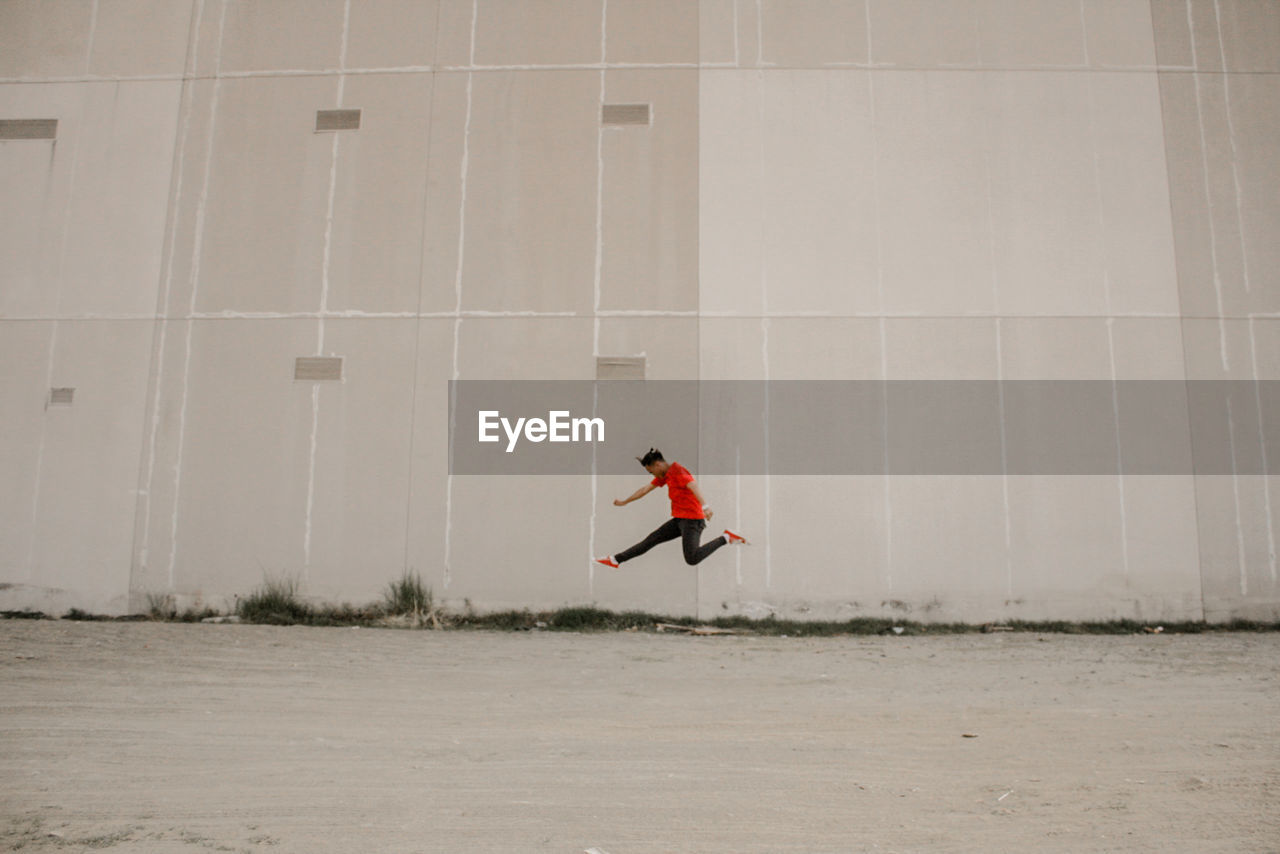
[(53, 600), (1220, 611), (930, 610)]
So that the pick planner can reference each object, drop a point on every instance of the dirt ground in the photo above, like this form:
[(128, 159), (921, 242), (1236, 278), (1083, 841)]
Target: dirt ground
[(160, 738)]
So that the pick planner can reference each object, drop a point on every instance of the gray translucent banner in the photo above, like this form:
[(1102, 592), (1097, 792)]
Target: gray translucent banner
[(907, 427)]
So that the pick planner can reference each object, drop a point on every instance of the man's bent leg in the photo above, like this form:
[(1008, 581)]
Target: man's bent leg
[(691, 531), (669, 530)]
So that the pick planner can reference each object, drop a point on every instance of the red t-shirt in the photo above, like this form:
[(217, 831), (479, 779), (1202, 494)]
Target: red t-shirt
[(683, 504)]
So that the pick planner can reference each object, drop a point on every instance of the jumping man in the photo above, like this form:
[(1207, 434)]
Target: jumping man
[(688, 511)]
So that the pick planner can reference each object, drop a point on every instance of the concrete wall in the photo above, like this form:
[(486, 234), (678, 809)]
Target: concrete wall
[(827, 189)]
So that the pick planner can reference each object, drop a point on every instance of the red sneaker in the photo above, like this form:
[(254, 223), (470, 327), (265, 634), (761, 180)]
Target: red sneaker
[(608, 561), (735, 539)]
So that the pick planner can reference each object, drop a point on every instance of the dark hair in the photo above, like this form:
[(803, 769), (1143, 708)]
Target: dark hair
[(650, 458)]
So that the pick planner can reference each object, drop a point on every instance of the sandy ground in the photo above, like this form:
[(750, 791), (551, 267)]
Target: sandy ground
[(177, 738)]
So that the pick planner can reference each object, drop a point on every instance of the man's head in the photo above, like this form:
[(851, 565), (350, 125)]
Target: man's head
[(654, 463)]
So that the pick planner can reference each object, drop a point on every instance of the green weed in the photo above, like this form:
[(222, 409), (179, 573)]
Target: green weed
[(275, 603), (408, 596)]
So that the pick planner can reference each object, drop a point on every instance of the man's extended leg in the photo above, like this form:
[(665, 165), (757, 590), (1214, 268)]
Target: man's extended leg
[(669, 530), (691, 531)]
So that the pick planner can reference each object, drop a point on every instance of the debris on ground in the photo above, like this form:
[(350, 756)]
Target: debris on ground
[(694, 630)]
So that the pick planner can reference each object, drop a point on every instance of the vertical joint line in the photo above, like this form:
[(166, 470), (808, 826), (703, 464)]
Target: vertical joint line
[(1235, 493), (93, 35), (1266, 468), (1235, 155), (599, 266), (1208, 194), (1004, 463), (457, 304), (197, 251)]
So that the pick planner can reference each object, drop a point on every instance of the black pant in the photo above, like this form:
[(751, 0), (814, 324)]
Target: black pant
[(690, 530)]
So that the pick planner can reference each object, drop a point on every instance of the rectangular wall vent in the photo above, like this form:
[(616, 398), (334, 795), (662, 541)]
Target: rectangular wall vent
[(61, 396), (330, 120), (625, 114), (28, 128), (317, 368), (619, 367)]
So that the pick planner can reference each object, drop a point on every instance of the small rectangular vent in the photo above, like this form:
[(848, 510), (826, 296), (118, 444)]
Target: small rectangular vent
[(625, 114), (619, 367), (61, 396), (332, 120), (317, 368), (28, 128)]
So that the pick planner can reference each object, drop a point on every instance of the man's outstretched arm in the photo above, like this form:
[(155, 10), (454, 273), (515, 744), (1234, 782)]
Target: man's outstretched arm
[(639, 493)]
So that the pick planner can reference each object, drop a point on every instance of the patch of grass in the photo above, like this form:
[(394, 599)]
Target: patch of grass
[(85, 616), (582, 619), (408, 596), (408, 603), (575, 619), (77, 614), (195, 615), (1129, 627), (278, 603), (160, 606), (772, 626), (587, 619), (25, 615), (1065, 627), (506, 621), (345, 614), (275, 603)]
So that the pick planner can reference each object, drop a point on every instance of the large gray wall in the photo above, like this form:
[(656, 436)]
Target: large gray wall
[(868, 189)]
